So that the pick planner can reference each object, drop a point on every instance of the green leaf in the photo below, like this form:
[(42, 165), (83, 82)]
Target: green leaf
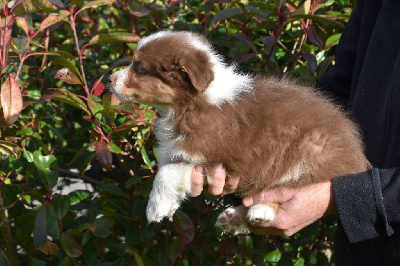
[(226, 13), (97, 3), (77, 196), (299, 262), (132, 181), (103, 225), (317, 18), (68, 97), (40, 228), (183, 226), (62, 54), (116, 37), (114, 148), (62, 61), (273, 256), (67, 76), (53, 19), (111, 189), (95, 104), (333, 39), (47, 168), (61, 205), (34, 7), (70, 245), (138, 10), (53, 229)]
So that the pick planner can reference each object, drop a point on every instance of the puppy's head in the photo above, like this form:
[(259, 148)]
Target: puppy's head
[(166, 67)]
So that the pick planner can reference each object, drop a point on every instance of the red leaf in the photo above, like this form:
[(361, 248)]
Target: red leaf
[(104, 154), (11, 100), (183, 226), (98, 88), (314, 38), (67, 76)]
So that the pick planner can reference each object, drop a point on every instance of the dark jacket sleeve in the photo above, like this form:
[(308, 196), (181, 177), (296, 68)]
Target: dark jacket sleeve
[(368, 203)]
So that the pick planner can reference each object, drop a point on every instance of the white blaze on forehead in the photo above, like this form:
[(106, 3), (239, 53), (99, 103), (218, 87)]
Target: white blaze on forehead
[(228, 83)]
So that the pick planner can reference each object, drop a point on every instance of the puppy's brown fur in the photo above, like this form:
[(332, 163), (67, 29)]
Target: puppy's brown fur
[(278, 134)]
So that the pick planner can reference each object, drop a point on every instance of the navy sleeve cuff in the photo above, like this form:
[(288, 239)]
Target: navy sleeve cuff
[(360, 206)]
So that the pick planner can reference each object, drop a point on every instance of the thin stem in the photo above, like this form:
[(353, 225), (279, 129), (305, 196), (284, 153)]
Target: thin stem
[(8, 237), (79, 54)]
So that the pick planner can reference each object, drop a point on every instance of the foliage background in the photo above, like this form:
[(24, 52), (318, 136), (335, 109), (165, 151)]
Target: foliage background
[(59, 127)]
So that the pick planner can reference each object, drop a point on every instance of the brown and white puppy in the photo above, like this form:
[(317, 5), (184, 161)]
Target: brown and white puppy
[(268, 132)]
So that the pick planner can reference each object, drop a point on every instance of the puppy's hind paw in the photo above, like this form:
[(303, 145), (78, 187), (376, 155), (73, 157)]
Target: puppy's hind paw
[(260, 214), (233, 221)]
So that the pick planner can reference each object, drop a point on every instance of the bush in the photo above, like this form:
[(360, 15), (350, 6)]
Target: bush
[(60, 127)]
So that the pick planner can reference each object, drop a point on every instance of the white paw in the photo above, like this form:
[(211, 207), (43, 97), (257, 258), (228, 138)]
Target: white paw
[(170, 187), (158, 209), (260, 214), (233, 221)]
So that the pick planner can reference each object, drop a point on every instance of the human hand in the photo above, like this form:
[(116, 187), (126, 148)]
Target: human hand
[(297, 207), (218, 183)]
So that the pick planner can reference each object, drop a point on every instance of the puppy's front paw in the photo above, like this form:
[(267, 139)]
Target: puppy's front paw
[(233, 221), (158, 209), (260, 214)]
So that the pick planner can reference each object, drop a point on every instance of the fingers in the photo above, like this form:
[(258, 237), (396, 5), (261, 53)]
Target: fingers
[(217, 182), (197, 180)]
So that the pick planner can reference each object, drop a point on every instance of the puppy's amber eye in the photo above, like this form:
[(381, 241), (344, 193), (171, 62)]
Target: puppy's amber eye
[(139, 69)]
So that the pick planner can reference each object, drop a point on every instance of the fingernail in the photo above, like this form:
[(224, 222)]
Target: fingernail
[(198, 169), (248, 201), (220, 167)]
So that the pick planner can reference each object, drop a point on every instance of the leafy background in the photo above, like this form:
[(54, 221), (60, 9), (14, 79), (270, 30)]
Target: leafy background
[(77, 165)]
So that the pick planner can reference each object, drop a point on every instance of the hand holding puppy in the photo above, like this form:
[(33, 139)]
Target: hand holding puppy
[(297, 207)]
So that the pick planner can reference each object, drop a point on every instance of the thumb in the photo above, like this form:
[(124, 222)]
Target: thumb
[(275, 195)]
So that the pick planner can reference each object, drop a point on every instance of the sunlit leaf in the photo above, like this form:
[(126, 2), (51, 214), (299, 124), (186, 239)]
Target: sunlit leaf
[(273, 256), (138, 10), (53, 19), (11, 100), (304, 9), (97, 3), (318, 18), (70, 245), (98, 88), (95, 104), (47, 168), (10, 149), (68, 97), (67, 76), (114, 38), (62, 61), (34, 6), (183, 226), (104, 154), (62, 54)]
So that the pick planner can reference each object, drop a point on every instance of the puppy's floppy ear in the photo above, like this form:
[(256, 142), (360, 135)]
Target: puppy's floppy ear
[(199, 70)]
